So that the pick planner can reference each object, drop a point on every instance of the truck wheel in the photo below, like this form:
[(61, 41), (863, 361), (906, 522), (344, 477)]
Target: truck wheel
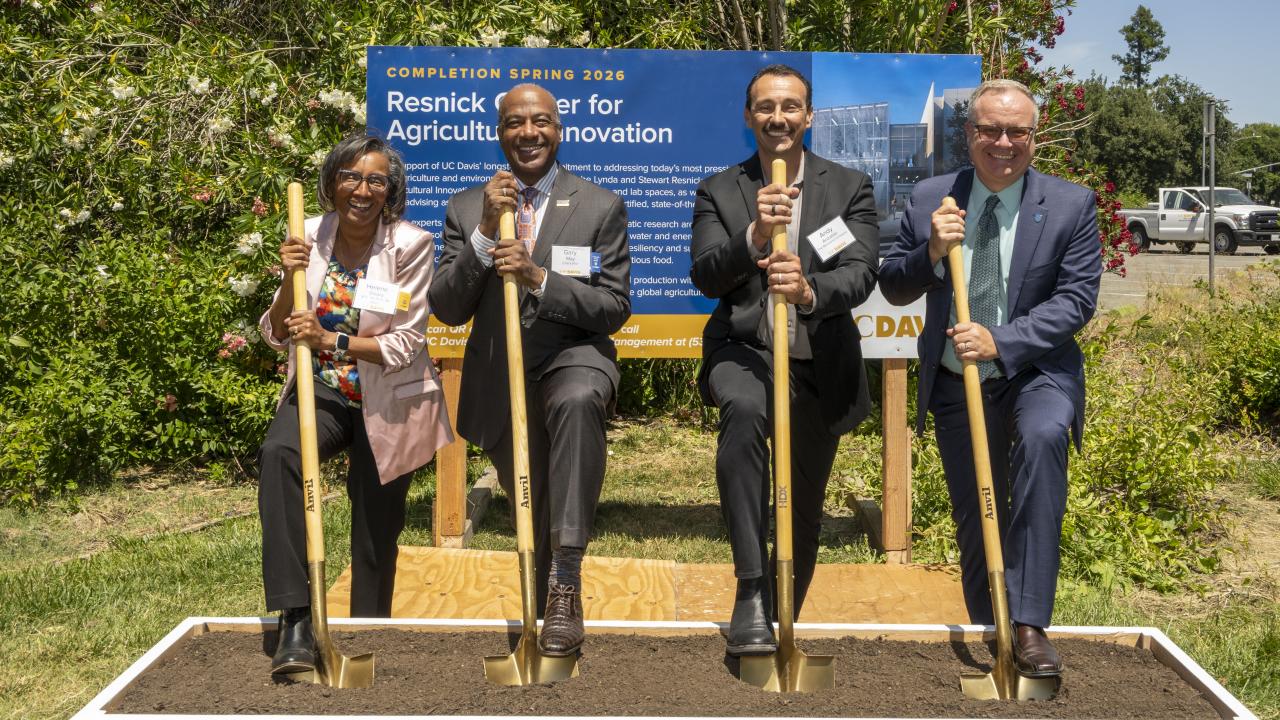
[(1186, 247), (1224, 241), (1271, 249), (1140, 238)]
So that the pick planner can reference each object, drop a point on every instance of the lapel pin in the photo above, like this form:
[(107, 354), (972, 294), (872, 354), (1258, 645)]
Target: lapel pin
[(562, 203), (1038, 217)]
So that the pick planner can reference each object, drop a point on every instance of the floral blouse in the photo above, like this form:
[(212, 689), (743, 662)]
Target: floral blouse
[(336, 313)]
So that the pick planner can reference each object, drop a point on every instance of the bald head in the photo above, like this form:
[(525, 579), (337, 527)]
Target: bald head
[(526, 92), (529, 131)]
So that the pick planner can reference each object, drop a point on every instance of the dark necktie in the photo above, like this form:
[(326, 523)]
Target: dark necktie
[(524, 222), (984, 277)]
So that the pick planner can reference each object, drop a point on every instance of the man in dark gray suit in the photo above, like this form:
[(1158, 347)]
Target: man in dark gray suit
[(570, 257), (1033, 265), (828, 269)]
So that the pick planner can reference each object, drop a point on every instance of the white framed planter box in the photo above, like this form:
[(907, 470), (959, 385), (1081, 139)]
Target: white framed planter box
[(1152, 639)]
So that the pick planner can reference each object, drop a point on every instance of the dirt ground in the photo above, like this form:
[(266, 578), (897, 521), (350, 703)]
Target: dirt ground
[(436, 673)]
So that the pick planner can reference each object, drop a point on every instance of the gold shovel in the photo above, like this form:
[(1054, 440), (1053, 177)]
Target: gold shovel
[(332, 668), (525, 666), (789, 669), (1003, 682)]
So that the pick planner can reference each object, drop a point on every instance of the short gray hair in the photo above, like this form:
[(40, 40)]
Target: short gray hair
[(352, 148), (1000, 86)]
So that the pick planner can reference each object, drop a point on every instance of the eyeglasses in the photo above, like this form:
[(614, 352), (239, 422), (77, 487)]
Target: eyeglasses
[(350, 180), (992, 133)]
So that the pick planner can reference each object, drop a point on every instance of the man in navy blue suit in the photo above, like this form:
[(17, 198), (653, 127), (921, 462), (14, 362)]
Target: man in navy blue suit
[(1031, 254)]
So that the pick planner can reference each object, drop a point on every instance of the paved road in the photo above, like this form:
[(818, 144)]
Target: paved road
[(1164, 265)]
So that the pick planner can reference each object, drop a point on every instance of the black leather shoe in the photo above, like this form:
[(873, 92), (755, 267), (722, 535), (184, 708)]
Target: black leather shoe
[(562, 630), (1033, 654), (750, 632), (297, 649)]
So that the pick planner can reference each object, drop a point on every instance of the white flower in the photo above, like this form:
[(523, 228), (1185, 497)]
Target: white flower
[(102, 271), (438, 28), (340, 99), (35, 5), (549, 25), (535, 41), (96, 8), (280, 137), (117, 206), (249, 243), (317, 157), (120, 90), (363, 62), (198, 86), (582, 38), (492, 38), (266, 95), (244, 286), (6, 160), (357, 112), (73, 218), (72, 140), (219, 125)]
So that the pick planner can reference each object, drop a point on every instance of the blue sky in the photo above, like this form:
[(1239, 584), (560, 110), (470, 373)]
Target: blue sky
[(902, 81), (1227, 47)]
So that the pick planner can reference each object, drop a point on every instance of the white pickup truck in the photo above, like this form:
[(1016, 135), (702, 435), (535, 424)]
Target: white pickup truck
[(1180, 216)]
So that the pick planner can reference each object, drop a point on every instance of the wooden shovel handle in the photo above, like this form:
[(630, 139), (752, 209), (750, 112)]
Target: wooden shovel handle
[(781, 395), (306, 393), (519, 412)]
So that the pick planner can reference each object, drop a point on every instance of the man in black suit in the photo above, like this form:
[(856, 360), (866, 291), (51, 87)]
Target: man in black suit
[(570, 257), (1030, 244), (827, 270)]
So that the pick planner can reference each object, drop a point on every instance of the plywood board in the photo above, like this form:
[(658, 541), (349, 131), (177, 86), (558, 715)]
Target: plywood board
[(454, 583)]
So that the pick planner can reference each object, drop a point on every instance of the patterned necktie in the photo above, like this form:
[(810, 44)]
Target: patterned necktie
[(524, 221), (984, 277)]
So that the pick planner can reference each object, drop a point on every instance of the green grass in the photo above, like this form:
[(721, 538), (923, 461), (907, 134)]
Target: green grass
[(1264, 478), (69, 624)]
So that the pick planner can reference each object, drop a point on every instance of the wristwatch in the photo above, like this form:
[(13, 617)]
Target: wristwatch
[(341, 344)]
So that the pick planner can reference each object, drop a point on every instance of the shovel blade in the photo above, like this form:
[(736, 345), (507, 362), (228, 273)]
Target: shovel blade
[(340, 672), (796, 672), (983, 686), (527, 666)]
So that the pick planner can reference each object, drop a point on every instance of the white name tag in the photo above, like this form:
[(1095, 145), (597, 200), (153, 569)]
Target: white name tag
[(571, 260), (831, 238), (377, 296)]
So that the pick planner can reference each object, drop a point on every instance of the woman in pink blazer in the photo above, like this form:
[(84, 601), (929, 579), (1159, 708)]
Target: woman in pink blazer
[(377, 393)]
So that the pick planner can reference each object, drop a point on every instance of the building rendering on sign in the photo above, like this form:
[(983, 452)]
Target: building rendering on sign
[(895, 155)]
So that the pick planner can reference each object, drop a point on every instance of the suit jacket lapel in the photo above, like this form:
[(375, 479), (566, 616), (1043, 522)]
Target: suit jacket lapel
[(812, 209), (750, 180), (326, 236), (560, 207), (1032, 217)]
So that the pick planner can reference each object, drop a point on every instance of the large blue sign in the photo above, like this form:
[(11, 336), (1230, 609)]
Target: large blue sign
[(649, 125)]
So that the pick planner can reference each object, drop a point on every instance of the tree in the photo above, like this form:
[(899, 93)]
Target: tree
[(1255, 146), (1145, 37), (1141, 146)]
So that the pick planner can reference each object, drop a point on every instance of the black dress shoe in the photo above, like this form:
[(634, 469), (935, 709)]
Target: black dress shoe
[(297, 649), (1033, 655), (750, 632), (562, 630)]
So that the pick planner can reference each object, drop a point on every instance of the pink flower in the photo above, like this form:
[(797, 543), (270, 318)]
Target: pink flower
[(202, 195), (231, 343), (259, 207), (1060, 26), (951, 7), (168, 402), (1110, 187)]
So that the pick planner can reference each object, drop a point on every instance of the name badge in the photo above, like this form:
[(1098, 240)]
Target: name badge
[(378, 296), (571, 260), (831, 238)]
